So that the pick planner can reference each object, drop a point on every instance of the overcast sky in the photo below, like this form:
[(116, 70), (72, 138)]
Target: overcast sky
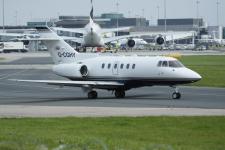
[(27, 10)]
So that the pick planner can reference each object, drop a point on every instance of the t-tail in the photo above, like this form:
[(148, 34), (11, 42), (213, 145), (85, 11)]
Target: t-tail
[(60, 51), (92, 12)]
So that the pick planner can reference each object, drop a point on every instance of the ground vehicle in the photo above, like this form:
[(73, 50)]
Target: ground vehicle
[(8, 47)]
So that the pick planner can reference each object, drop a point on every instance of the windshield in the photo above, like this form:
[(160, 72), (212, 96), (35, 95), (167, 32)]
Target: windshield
[(172, 64), (175, 64)]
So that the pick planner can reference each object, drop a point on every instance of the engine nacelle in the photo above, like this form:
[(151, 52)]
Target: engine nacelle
[(84, 71), (71, 70), (26, 42), (131, 43), (160, 40)]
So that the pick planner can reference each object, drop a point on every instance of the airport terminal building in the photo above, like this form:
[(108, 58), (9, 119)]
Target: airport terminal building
[(111, 20), (138, 24)]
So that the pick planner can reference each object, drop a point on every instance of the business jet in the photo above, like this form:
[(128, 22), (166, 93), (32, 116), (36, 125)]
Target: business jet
[(109, 72)]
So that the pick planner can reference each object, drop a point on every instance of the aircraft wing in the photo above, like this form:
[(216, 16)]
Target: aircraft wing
[(11, 34), (74, 39), (177, 35), (74, 30), (19, 35), (74, 83), (168, 36), (115, 29)]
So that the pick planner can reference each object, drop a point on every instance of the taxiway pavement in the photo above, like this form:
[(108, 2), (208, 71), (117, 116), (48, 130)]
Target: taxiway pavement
[(24, 99)]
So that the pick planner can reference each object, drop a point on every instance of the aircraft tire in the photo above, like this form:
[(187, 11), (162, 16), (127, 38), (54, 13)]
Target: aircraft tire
[(120, 94), (92, 95), (176, 95)]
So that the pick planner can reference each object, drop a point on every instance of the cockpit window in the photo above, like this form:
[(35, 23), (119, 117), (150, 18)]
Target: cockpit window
[(159, 64), (172, 64), (175, 64), (164, 64)]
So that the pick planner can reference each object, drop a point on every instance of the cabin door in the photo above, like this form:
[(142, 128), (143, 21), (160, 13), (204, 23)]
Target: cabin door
[(115, 68)]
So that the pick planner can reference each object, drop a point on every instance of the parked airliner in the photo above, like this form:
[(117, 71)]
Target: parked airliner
[(94, 35), (114, 73)]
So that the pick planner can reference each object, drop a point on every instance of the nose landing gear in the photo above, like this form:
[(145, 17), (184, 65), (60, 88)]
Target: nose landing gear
[(176, 94)]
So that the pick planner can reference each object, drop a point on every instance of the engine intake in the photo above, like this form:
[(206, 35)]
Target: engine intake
[(84, 71), (160, 40), (26, 42), (131, 43)]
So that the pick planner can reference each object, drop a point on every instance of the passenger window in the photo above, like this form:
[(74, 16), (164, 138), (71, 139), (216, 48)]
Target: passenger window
[(121, 66), (128, 66), (115, 66), (159, 64), (165, 64), (133, 66), (103, 66), (109, 66)]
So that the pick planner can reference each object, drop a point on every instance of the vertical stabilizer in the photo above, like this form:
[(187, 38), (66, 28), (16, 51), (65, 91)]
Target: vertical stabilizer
[(92, 12), (61, 52)]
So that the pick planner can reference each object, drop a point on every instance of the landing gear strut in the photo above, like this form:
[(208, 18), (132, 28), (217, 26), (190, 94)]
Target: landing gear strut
[(176, 94), (92, 95), (119, 93)]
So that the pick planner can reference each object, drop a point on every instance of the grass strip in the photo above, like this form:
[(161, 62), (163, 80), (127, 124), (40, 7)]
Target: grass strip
[(211, 68), (117, 133)]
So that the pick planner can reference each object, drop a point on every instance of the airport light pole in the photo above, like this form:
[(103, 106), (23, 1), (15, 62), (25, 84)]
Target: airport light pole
[(16, 17), (143, 13), (165, 18), (117, 18), (198, 2), (129, 14), (3, 15), (158, 11), (217, 9)]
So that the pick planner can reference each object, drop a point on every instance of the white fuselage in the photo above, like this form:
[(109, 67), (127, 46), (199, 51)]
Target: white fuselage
[(142, 71), (111, 72), (93, 38)]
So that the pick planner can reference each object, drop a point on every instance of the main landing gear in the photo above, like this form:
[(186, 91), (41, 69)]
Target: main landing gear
[(92, 95), (176, 94), (119, 93)]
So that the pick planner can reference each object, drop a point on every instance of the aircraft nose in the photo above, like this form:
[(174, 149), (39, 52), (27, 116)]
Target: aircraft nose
[(195, 76)]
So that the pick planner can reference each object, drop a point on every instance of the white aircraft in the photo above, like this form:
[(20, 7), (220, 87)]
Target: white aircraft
[(94, 35), (113, 73)]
